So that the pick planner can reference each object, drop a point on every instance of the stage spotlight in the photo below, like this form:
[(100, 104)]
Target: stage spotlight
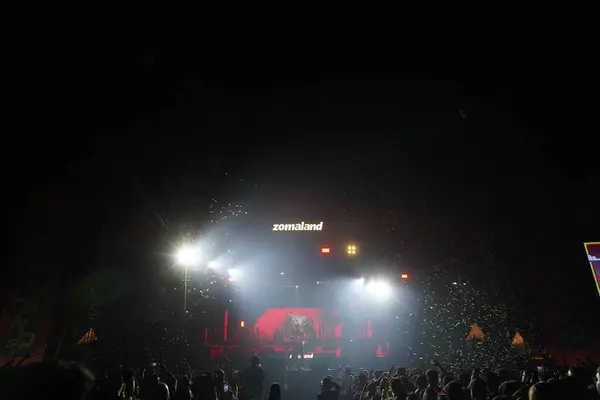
[(187, 256), (234, 274), (379, 288), (358, 284), (351, 250)]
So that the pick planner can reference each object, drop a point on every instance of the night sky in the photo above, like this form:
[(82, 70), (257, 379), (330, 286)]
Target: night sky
[(475, 149)]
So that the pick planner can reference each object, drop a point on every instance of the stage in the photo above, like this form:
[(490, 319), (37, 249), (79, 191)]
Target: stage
[(301, 337)]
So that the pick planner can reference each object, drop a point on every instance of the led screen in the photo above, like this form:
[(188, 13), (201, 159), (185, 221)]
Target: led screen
[(299, 324)]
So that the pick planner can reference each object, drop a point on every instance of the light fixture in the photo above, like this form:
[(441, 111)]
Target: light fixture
[(351, 250), (234, 274), (379, 288), (187, 256)]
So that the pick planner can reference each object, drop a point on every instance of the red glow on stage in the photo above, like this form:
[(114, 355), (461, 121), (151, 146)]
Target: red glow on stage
[(318, 331), (379, 352), (324, 323)]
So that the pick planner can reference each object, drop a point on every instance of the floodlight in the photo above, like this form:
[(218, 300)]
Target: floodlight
[(187, 256)]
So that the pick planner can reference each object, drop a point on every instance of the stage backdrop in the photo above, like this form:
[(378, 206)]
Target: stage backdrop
[(292, 324)]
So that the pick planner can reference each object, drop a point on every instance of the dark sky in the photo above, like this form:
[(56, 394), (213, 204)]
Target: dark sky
[(484, 138)]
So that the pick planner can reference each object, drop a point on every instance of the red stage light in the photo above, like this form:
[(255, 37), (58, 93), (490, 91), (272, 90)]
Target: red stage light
[(242, 324), (325, 250), (404, 276)]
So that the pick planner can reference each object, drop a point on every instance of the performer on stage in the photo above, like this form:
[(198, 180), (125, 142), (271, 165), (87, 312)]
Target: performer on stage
[(295, 334)]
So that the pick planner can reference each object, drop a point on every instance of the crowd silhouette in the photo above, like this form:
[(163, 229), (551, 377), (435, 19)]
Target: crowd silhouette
[(61, 380)]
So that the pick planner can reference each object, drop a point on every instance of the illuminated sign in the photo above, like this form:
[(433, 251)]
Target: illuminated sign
[(297, 227), (593, 253), (404, 276), (306, 355), (325, 250)]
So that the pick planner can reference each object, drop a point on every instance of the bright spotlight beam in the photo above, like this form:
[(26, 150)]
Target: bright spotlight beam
[(234, 273), (380, 289), (187, 256)]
